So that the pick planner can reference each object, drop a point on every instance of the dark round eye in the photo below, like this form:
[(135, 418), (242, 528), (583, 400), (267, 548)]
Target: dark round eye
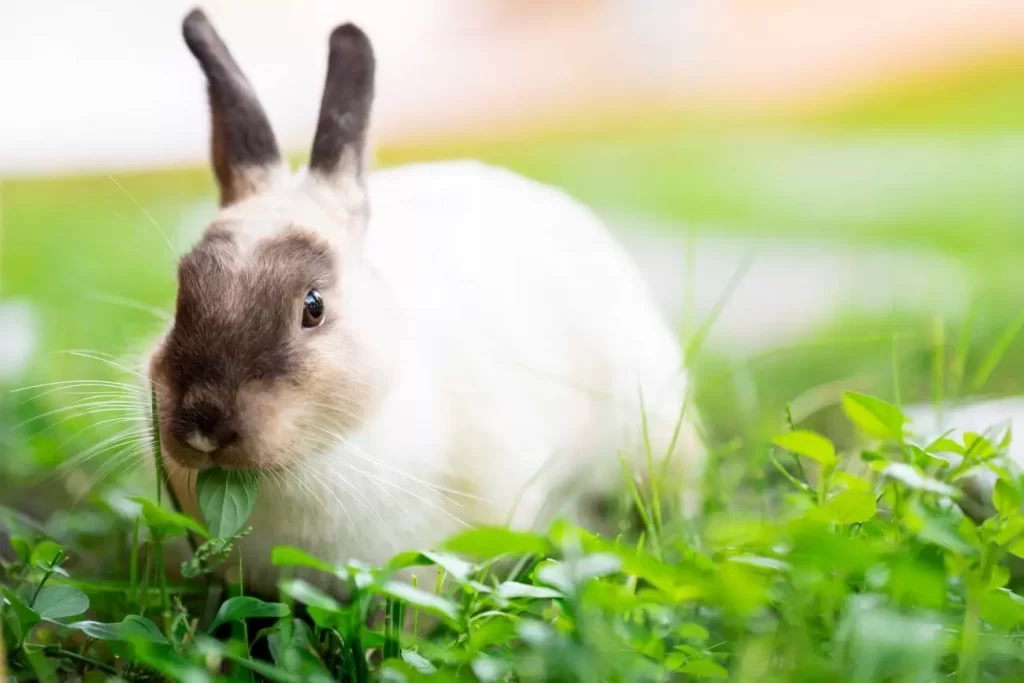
[(312, 309)]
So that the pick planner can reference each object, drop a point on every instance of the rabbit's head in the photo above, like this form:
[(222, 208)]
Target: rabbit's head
[(272, 348)]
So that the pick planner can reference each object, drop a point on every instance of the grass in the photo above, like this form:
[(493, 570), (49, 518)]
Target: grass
[(830, 547), (867, 572)]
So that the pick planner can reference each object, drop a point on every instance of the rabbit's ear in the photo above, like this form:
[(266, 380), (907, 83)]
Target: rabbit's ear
[(339, 147), (244, 151)]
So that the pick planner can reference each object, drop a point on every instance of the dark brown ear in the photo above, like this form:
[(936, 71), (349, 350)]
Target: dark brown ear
[(339, 147), (244, 151)]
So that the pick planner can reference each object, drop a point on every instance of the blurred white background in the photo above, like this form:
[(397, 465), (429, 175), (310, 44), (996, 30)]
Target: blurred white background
[(108, 84)]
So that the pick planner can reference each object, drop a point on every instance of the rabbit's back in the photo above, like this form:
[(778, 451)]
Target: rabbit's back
[(490, 256), (536, 323)]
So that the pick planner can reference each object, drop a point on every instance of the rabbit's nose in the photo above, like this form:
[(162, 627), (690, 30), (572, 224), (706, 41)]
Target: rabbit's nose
[(206, 428)]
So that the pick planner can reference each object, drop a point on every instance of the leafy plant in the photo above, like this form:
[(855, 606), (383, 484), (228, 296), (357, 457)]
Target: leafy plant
[(867, 570)]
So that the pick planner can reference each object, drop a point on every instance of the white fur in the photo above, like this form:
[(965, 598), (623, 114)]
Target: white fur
[(522, 339)]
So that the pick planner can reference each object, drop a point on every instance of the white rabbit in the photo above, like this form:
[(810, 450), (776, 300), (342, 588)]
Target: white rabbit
[(402, 353)]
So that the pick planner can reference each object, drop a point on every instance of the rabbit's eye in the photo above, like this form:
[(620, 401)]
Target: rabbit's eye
[(312, 309)]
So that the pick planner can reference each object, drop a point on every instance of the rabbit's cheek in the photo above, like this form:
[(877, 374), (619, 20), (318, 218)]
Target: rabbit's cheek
[(273, 415)]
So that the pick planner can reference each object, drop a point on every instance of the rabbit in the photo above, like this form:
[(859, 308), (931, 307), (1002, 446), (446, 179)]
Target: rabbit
[(405, 353)]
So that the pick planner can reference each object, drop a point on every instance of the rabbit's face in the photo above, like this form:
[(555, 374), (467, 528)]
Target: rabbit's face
[(264, 359), (268, 354)]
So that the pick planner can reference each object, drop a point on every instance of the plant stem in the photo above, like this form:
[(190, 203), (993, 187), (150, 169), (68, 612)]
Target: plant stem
[(969, 638), (971, 631), (39, 589), (158, 458), (641, 506), (655, 499), (161, 570), (46, 577), (241, 593), (57, 651), (895, 348), (145, 583), (388, 651), (415, 613), (158, 462), (266, 670), (823, 483), (3, 654), (938, 366), (176, 505), (134, 569)]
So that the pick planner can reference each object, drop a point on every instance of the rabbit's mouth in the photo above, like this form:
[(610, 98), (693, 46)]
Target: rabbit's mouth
[(252, 450), (198, 453), (237, 456)]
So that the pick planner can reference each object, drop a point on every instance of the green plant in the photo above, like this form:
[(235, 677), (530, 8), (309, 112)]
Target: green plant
[(868, 570)]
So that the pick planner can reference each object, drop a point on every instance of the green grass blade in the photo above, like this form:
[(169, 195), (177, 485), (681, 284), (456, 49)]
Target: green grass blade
[(939, 365), (641, 507), (996, 354), (963, 347), (694, 344), (651, 474)]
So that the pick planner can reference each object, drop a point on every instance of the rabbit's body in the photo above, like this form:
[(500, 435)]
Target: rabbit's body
[(520, 339), (481, 360)]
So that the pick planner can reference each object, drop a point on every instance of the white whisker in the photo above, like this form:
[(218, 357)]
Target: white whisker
[(302, 484), (107, 470), (152, 220), (97, 357), (130, 303), (338, 501), (86, 395), (89, 410), (360, 496), (140, 418), (376, 461), (79, 383), (406, 491), (104, 446)]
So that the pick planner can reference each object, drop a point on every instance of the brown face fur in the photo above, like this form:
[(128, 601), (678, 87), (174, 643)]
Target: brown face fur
[(238, 335)]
